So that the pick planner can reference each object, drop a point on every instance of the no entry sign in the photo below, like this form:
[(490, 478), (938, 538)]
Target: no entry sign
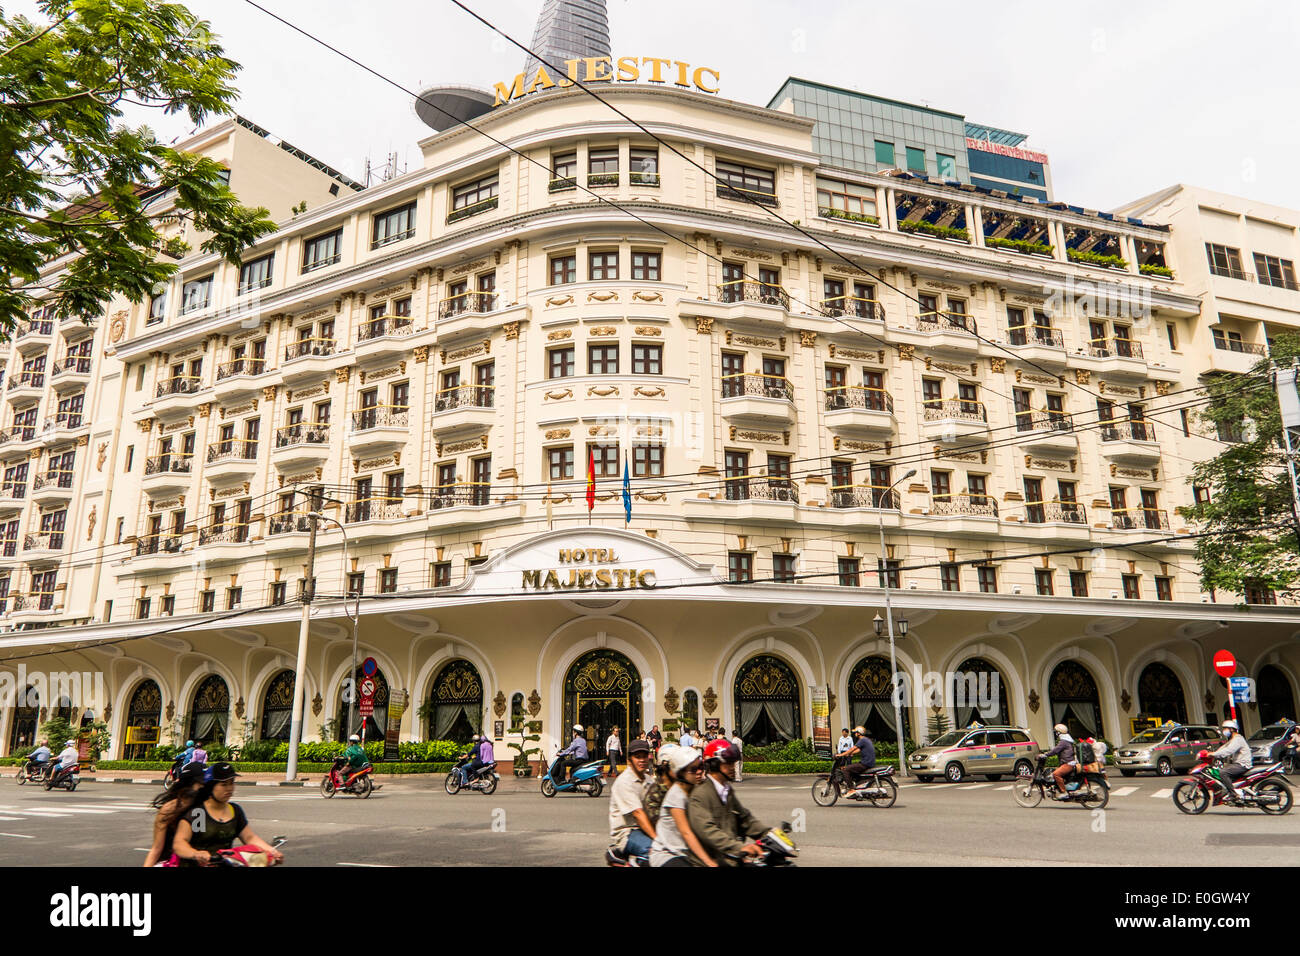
[(1224, 663)]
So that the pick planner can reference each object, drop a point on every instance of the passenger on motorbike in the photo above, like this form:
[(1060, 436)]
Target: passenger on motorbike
[(356, 755), (467, 770), (67, 757), (715, 812), (1236, 757), (676, 843), (215, 823), (1065, 750), (864, 750), (41, 756), (575, 755), (172, 804), (186, 755), (630, 829)]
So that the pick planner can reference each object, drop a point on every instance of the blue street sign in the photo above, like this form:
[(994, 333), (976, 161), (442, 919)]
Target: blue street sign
[(1243, 689), (368, 667)]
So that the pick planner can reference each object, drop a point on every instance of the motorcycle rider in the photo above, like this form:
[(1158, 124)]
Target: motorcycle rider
[(716, 815), (215, 823), (67, 758), (356, 755), (864, 750), (40, 757), (186, 755), (630, 829), (1065, 750), (467, 770), (1235, 754), (575, 755)]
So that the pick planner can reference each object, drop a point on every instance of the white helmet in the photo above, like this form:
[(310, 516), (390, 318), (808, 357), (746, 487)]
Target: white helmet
[(69, 743), (1061, 729), (681, 758), (354, 739), (1229, 725), (579, 728)]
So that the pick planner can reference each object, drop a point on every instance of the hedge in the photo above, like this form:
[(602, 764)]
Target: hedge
[(275, 751), (799, 766), (943, 232), (829, 212), (261, 767), (1020, 245), (1154, 270), (1095, 258)]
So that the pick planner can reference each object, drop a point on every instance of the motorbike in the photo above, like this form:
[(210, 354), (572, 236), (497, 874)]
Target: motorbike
[(339, 780), (775, 849), (1089, 790), (238, 857), (174, 770), (484, 779), (1262, 787), (876, 785), (587, 778), (65, 779), (31, 772)]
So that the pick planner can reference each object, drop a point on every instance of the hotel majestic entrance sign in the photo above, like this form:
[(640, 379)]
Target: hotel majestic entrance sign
[(604, 69)]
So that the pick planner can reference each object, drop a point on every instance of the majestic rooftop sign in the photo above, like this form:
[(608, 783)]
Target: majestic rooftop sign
[(604, 69)]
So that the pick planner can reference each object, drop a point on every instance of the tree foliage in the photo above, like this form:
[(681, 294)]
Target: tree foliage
[(79, 185), (1253, 535)]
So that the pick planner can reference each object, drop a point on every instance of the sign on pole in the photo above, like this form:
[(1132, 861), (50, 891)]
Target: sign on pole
[(1224, 665), (821, 715), (1242, 689), (369, 667), (392, 733)]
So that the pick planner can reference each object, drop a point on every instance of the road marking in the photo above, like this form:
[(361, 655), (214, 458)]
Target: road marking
[(10, 818), (1162, 793), (1007, 787), (975, 786), (388, 866), (1124, 791), (19, 836)]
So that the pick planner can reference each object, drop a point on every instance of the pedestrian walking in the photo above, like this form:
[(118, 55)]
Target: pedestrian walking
[(614, 750), (656, 740), (740, 745)]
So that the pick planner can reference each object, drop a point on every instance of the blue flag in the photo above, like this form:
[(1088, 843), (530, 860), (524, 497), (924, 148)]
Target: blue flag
[(627, 493)]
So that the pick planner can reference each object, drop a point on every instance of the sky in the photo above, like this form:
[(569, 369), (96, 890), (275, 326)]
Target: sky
[(1125, 97)]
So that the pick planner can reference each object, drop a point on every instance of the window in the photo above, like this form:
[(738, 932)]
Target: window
[(645, 266), (854, 200), (1131, 590), (196, 295), (142, 609), (890, 573), (207, 601), (1200, 494), (1172, 334), (884, 154), (393, 226), (279, 593), (130, 457), (388, 581), (738, 181), (740, 566), (322, 251), (1079, 583), (604, 265), (915, 160), (478, 194), (559, 363), (157, 308), (559, 463), (783, 568), (1043, 581), (168, 608), (947, 166), (648, 461), (644, 162), (233, 598), (1275, 272), (564, 269), (1164, 589), (1187, 422), (605, 458), (564, 171), (647, 359), (988, 578), (441, 576), (950, 577), (1254, 594), (256, 274), (850, 572), (602, 162), (602, 359)]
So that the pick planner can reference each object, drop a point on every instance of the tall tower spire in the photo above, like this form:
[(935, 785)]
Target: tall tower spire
[(567, 30)]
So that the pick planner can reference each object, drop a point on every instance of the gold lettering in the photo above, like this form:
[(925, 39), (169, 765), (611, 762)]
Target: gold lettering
[(641, 579), (699, 84), (602, 578), (542, 82), (628, 70), (573, 579), (613, 558), (584, 579), (657, 74), (681, 72), (573, 74), (565, 556), (532, 579), (621, 577), (593, 72), (552, 581), (505, 95)]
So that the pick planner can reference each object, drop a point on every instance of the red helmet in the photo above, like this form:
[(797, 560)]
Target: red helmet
[(721, 750), (1203, 755)]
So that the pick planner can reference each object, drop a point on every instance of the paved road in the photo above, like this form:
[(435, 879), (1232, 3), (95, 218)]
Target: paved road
[(412, 823)]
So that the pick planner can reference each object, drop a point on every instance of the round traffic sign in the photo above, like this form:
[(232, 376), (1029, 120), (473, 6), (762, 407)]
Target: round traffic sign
[(1224, 663), (368, 667), (367, 687)]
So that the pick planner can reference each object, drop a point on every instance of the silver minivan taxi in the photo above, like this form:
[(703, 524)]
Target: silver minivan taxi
[(1262, 741), (988, 751), (1165, 750)]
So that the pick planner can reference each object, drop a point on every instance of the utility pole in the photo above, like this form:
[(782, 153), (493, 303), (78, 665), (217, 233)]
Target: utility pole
[(308, 592), (1288, 399)]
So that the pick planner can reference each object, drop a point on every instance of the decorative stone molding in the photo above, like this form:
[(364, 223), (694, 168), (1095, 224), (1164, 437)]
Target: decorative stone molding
[(604, 330), (559, 335), (1081, 376), (499, 704), (650, 431), (468, 267), (651, 496), (601, 392), (596, 431), (1162, 388), (643, 392), (248, 406), (1110, 388), (841, 351), (703, 325), (849, 445), (311, 392), (981, 456), (556, 396), (771, 437), (483, 348), (709, 700), (511, 329), (602, 296), (389, 372), (555, 434), (534, 703), (341, 375), (905, 352), (1050, 464), (299, 479), (421, 354), (559, 300), (954, 367), (473, 444), (756, 341), (807, 339), (369, 463), (1023, 376), (268, 393), (316, 704), (647, 296), (998, 364), (649, 330), (102, 456), (146, 426)]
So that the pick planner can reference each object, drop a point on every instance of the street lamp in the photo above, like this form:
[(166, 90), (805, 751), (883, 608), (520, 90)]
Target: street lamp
[(889, 622)]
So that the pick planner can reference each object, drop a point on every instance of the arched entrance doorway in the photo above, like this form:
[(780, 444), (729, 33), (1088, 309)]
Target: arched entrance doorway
[(1074, 700), (690, 711), (277, 707), (22, 730), (871, 699), (1160, 694), (767, 702), (602, 690), (1275, 697), (980, 688), (455, 708), (210, 715), (375, 724), (143, 717)]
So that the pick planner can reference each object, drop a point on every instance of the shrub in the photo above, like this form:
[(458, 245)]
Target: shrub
[(929, 228), (1096, 259), (1155, 270), (1020, 245), (830, 213)]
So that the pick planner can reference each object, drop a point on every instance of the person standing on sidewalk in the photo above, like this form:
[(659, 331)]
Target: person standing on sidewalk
[(740, 746), (614, 749)]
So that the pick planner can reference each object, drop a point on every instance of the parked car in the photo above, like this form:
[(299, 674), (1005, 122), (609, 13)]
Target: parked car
[(1165, 750), (988, 751), (1263, 744)]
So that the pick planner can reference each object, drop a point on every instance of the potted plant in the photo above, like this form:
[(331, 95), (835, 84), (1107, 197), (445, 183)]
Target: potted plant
[(522, 768)]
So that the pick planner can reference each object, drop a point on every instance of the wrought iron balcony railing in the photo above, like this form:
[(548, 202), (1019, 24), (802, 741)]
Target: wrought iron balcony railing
[(1035, 335), (740, 290), (179, 385), (380, 508), (937, 409), (977, 505), (858, 396), (236, 449), (1130, 519), (53, 479), (302, 433), (241, 366), (467, 302), (880, 497), (855, 306), (305, 348), (1065, 512), (380, 416), (462, 494), (945, 322), (168, 463), (1128, 429), (464, 396), (755, 383), (760, 488), (385, 325), (1044, 420)]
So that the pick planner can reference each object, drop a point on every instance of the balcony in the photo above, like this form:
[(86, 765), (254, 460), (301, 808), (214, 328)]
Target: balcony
[(467, 504), (289, 531), (17, 438), (1234, 355), (376, 517), (1047, 432), (26, 386), (966, 514), (741, 290), (378, 426), (174, 397), (59, 427), (34, 335), (308, 358), (467, 302), (40, 547), (747, 196), (51, 486), (1055, 521), (853, 410), (231, 459), (949, 419), (754, 398), (473, 209), (854, 306), (156, 553), (236, 377), (70, 372), (302, 443), (226, 541), (13, 495), (951, 332), (463, 408), (758, 498), (384, 336), (1130, 440), (561, 184), (164, 473), (1139, 519), (33, 603), (1038, 344), (874, 497), (1120, 358)]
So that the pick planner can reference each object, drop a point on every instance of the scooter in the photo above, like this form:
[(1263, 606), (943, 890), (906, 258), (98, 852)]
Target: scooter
[(587, 778), (339, 780), (775, 849), (1263, 787), (484, 779), (31, 772), (65, 779)]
